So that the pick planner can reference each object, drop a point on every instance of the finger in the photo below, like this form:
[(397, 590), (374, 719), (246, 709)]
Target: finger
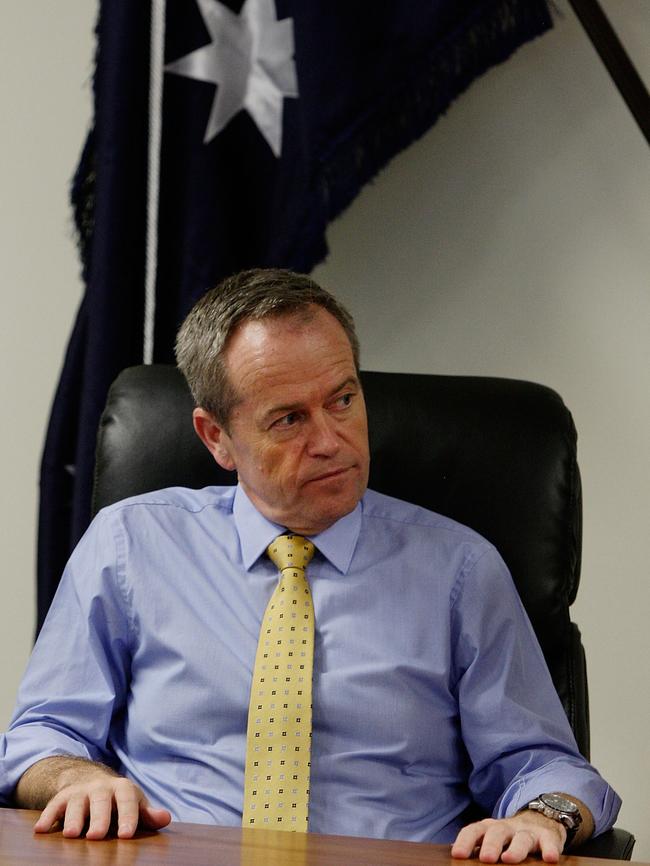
[(100, 810), (76, 813), (497, 836), (53, 812), (128, 800), (551, 848), (466, 841), (523, 843), (154, 819)]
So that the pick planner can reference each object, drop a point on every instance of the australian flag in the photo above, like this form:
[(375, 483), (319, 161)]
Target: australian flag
[(227, 134)]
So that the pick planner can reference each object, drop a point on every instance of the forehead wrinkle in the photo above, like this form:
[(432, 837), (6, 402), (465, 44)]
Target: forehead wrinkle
[(258, 360)]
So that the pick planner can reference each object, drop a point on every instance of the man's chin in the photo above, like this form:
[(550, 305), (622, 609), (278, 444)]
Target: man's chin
[(320, 519), (317, 507)]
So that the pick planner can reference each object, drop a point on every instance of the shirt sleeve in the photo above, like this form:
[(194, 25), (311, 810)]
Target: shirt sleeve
[(76, 679), (518, 738)]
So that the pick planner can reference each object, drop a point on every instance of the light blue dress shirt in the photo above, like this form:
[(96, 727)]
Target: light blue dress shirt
[(430, 690)]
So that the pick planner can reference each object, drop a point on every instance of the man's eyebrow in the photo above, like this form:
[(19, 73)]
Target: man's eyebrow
[(351, 381), (283, 409)]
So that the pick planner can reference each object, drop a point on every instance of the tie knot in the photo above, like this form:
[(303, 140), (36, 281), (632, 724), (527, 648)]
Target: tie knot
[(290, 551)]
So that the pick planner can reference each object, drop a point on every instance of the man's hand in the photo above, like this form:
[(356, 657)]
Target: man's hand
[(97, 801), (511, 839), (82, 794)]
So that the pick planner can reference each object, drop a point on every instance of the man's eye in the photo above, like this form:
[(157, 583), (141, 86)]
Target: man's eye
[(344, 400), (286, 420)]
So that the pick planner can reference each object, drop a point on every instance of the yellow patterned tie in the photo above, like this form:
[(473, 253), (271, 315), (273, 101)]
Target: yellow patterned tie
[(276, 786)]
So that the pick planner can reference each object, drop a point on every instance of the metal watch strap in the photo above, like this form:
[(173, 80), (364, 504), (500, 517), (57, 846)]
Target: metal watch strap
[(570, 822)]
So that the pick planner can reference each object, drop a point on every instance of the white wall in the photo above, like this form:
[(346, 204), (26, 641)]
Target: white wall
[(45, 67), (511, 240)]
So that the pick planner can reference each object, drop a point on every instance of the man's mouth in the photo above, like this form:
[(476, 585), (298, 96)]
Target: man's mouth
[(331, 474)]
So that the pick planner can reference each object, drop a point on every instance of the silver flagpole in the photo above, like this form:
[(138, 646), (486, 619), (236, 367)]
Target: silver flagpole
[(156, 60)]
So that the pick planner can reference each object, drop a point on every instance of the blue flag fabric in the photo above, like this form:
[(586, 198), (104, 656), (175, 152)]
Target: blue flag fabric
[(271, 116)]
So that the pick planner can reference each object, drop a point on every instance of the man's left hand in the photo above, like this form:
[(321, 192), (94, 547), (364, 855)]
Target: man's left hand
[(511, 840)]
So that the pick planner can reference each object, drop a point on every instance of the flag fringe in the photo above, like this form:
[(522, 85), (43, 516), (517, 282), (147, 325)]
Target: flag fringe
[(488, 37), (82, 199)]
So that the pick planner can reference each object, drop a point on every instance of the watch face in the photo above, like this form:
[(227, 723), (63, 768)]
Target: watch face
[(560, 804)]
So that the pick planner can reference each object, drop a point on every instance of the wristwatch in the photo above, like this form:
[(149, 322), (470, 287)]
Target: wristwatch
[(559, 808)]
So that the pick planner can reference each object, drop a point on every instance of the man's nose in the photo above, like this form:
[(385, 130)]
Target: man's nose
[(323, 438)]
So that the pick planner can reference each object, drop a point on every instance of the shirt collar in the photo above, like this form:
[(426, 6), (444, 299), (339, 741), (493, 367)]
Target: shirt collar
[(336, 544), (255, 531)]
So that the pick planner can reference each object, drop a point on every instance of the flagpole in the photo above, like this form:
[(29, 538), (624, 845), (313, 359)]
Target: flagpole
[(156, 60)]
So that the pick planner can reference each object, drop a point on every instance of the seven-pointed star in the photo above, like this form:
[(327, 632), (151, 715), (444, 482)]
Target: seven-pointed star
[(250, 59)]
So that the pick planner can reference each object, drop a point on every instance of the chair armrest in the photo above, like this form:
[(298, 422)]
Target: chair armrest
[(613, 845)]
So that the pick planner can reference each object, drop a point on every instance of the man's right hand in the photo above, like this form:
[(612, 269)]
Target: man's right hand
[(81, 794)]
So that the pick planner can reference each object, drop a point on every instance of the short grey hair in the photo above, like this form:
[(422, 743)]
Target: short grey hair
[(249, 295)]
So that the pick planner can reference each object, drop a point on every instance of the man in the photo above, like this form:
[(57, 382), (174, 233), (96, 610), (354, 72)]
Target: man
[(430, 693)]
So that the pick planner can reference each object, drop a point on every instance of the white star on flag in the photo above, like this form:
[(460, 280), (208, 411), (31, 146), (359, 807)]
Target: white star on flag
[(250, 59)]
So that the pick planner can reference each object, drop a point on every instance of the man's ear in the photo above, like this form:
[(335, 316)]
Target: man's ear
[(214, 437)]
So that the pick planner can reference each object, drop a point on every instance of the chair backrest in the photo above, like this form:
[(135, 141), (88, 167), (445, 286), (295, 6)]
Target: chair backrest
[(496, 454)]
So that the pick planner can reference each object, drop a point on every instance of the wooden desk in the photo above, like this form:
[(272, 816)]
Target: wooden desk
[(201, 845)]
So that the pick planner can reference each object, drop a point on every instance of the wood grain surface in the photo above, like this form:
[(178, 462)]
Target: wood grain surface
[(204, 845)]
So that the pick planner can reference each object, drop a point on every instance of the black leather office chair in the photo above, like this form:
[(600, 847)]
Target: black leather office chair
[(498, 455)]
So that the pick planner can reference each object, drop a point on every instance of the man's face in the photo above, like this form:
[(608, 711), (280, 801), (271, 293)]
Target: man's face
[(298, 435)]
